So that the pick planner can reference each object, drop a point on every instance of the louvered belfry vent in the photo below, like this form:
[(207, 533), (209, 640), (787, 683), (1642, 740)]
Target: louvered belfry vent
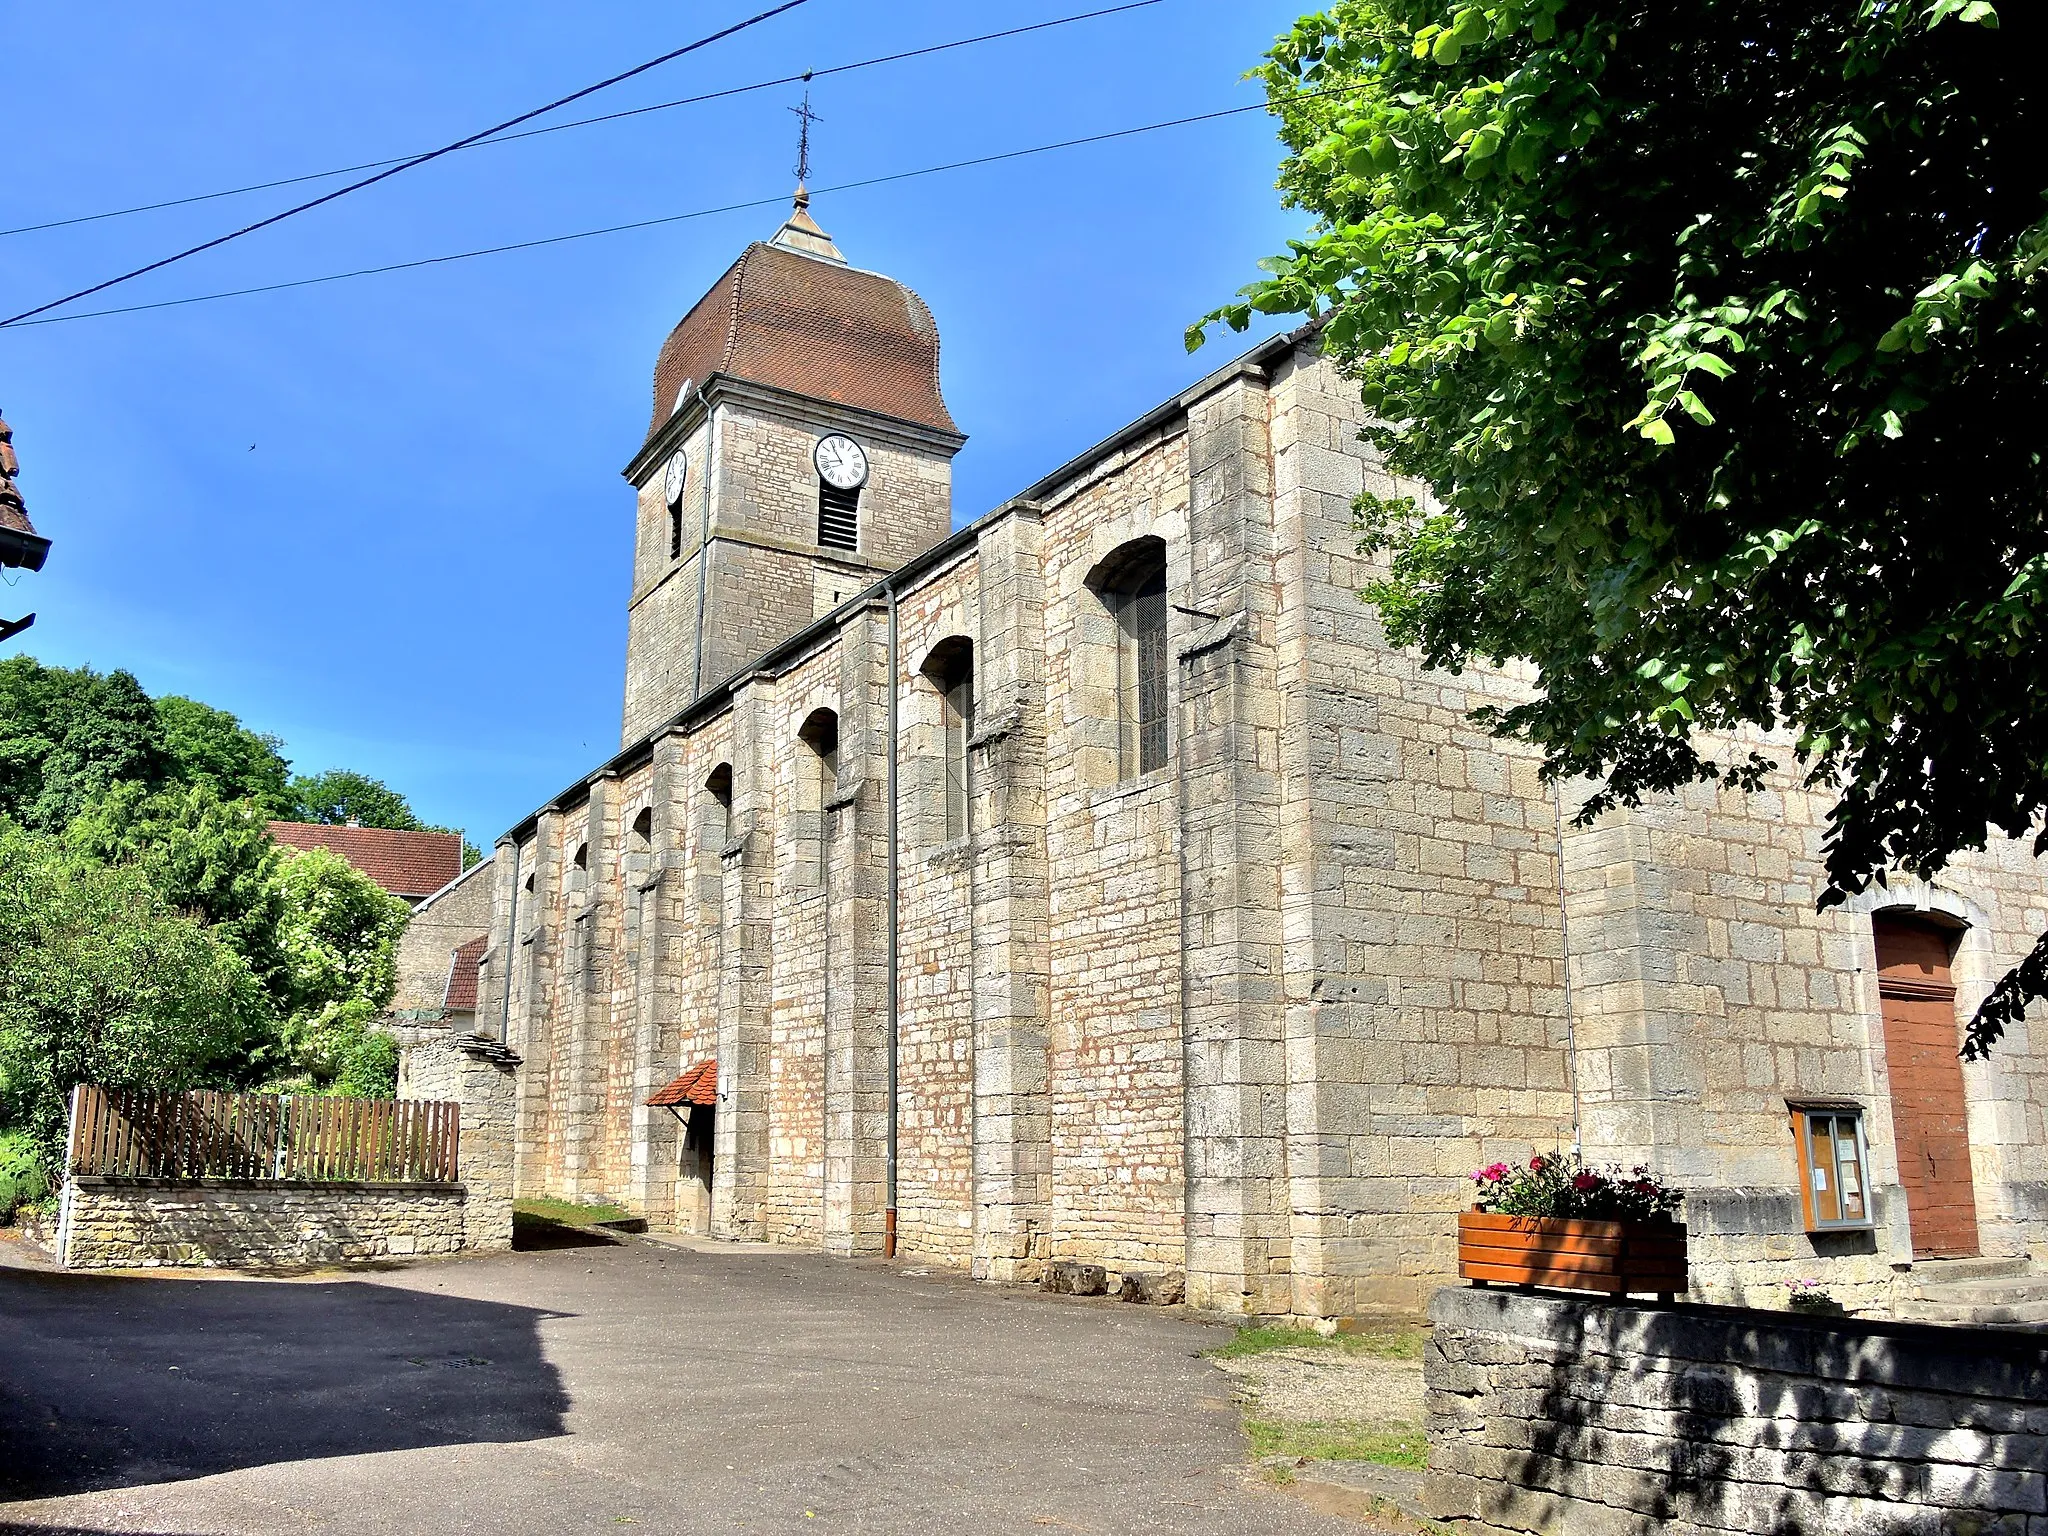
[(838, 517)]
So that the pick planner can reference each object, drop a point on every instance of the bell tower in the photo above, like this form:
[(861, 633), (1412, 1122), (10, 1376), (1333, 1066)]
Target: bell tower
[(800, 450)]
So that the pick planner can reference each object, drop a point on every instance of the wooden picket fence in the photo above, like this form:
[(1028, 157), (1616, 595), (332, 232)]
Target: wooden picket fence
[(140, 1133)]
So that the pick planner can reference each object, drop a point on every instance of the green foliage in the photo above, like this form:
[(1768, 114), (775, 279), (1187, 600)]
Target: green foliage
[(101, 981), (210, 859), (24, 1176), (67, 736), (370, 1070), (1338, 1440), (1394, 1343), (338, 797), (211, 747), (338, 933), (1716, 331)]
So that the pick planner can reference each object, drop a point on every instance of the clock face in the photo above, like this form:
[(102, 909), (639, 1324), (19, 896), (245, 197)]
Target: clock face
[(841, 463), (672, 479)]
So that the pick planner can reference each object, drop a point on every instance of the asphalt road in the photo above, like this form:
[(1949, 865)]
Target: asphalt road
[(708, 1388)]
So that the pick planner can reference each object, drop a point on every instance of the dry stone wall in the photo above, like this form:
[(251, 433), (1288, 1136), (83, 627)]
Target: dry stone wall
[(1585, 1418), (150, 1224)]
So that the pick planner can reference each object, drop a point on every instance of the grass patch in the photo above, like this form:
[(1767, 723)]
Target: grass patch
[(1380, 1343), (1337, 1441), (567, 1212)]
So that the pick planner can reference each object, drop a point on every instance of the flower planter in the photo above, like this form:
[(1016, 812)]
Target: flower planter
[(1615, 1257)]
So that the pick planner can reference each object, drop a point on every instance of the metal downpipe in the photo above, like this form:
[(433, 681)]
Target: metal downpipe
[(889, 1153)]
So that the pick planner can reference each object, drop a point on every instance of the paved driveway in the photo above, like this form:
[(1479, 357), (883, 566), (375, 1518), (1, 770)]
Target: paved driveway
[(708, 1388)]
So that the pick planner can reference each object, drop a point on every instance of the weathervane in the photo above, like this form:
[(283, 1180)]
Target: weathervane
[(807, 117)]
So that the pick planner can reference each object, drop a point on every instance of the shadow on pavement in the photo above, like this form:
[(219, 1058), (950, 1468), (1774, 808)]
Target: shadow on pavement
[(534, 1234), (115, 1382)]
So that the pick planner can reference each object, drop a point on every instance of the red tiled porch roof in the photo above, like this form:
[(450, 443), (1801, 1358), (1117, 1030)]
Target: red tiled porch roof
[(698, 1086)]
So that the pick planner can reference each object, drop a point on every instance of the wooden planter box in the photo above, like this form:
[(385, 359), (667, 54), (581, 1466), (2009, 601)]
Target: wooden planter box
[(1616, 1257)]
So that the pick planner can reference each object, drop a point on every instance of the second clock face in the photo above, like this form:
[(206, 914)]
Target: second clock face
[(841, 462), (672, 480)]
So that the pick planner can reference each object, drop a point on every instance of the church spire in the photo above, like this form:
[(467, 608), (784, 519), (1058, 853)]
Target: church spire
[(800, 232)]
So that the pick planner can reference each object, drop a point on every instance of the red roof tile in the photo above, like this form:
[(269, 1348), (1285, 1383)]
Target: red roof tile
[(698, 1086), (462, 969), (815, 327), (404, 863)]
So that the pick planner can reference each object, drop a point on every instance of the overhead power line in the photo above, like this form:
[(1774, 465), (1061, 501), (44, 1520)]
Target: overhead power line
[(673, 218), (586, 122), (406, 165)]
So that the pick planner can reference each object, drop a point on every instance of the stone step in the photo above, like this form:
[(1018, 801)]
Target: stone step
[(1940, 1271), (1980, 1293), (2019, 1314)]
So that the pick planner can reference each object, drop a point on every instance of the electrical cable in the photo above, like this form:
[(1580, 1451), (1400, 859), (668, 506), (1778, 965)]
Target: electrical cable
[(585, 122), (406, 165), (673, 218)]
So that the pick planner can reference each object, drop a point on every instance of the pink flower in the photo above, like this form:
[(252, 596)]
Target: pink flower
[(1492, 1173)]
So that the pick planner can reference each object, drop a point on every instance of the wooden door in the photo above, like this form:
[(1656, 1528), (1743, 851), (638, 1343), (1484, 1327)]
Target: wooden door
[(1930, 1125)]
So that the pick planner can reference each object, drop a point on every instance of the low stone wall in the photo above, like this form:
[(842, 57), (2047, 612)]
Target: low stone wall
[(1592, 1418), (109, 1223)]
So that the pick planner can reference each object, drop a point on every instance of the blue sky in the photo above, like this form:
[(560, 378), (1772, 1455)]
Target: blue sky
[(383, 519)]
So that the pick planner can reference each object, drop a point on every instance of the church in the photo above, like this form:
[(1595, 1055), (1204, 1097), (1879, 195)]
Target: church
[(1095, 882)]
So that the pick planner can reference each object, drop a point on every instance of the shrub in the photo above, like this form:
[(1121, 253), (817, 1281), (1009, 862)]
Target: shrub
[(23, 1180)]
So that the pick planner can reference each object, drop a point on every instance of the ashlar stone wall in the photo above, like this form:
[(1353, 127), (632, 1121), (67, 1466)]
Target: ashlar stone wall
[(1563, 1417)]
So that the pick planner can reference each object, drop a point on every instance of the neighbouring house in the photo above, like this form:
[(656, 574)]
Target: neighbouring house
[(439, 951), (1094, 881), (410, 865)]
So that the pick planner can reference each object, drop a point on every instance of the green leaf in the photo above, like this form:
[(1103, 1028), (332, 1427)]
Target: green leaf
[(1447, 48), (1658, 431)]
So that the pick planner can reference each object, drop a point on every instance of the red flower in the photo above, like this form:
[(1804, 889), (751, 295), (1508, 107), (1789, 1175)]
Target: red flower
[(1586, 1181), (1538, 1164), (1491, 1173)]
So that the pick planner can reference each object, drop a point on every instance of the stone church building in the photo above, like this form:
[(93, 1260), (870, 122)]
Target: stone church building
[(1094, 881)]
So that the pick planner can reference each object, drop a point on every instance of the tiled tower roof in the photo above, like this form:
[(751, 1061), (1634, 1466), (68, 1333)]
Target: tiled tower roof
[(20, 544), (791, 313)]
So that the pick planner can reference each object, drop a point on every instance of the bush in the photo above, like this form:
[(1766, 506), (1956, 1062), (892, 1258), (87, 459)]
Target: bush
[(370, 1070), (23, 1180)]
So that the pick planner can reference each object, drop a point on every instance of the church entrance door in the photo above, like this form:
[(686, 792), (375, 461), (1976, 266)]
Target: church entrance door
[(699, 1138), (1930, 1123)]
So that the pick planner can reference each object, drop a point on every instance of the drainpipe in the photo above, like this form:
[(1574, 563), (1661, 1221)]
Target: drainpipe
[(511, 948), (704, 549), (889, 1156)]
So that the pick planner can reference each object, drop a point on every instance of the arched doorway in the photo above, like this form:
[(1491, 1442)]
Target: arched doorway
[(1930, 1122)]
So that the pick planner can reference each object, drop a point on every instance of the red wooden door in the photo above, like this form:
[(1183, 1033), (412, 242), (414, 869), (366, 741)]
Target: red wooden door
[(1930, 1125)]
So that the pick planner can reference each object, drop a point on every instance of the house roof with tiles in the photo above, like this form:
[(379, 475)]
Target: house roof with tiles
[(460, 996), (792, 314), (409, 864)]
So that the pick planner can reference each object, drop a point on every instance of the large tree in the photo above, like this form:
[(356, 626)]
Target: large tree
[(101, 981), (1716, 329), (67, 735), (211, 747)]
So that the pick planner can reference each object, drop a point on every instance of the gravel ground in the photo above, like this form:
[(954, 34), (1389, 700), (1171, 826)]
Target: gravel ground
[(1329, 1385)]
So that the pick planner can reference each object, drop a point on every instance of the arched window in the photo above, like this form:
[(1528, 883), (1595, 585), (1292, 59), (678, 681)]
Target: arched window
[(719, 787), (950, 668), (821, 734), (675, 531), (1132, 586), (643, 830)]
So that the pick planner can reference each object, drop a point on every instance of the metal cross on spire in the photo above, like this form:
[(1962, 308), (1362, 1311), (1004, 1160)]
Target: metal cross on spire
[(806, 117)]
